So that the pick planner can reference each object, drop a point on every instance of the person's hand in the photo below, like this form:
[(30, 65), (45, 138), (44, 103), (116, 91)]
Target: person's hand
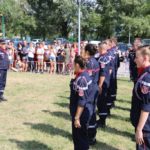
[(77, 123), (100, 90), (139, 137)]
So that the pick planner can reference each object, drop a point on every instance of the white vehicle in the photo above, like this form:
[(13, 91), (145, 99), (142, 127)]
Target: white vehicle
[(95, 42), (34, 41)]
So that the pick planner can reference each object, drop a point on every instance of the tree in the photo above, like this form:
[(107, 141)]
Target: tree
[(17, 19)]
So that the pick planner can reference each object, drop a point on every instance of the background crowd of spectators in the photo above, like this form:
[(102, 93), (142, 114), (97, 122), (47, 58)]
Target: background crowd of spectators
[(40, 58)]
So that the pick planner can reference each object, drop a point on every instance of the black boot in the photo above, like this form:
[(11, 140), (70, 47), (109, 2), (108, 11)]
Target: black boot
[(2, 98), (101, 123), (92, 141)]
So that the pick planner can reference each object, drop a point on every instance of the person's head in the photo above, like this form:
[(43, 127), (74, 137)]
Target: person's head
[(41, 45), (137, 43), (143, 57), (31, 44), (103, 47), (2, 44), (79, 63), (113, 42), (18, 58), (19, 45), (90, 50), (109, 43), (25, 43)]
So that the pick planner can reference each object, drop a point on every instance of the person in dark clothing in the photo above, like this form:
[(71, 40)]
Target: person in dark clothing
[(104, 82), (140, 108), (132, 64), (92, 67), (4, 66), (81, 107)]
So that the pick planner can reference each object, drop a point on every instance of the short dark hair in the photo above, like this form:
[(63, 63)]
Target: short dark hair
[(80, 60), (91, 49)]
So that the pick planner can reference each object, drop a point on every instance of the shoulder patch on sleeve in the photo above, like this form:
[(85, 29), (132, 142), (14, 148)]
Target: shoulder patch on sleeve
[(145, 89)]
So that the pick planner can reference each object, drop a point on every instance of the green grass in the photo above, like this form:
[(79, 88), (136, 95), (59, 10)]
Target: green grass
[(36, 116)]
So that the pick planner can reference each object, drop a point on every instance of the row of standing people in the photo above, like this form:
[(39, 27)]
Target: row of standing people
[(95, 84), (55, 58)]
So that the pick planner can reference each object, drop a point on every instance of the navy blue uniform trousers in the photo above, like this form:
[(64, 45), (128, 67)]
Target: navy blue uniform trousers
[(3, 76), (146, 145), (80, 135), (102, 104)]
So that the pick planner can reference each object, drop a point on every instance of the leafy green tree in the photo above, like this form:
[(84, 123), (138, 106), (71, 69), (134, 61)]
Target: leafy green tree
[(17, 18)]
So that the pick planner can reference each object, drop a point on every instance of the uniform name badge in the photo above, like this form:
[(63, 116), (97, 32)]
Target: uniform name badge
[(102, 65)]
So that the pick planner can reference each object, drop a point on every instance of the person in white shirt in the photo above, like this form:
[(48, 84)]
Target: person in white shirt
[(40, 58), (31, 52)]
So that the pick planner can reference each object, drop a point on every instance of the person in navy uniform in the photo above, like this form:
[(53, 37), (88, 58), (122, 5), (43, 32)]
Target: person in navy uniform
[(92, 67), (111, 49), (81, 107), (104, 80), (132, 64), (114, 63), (140, 109), (4, 66)]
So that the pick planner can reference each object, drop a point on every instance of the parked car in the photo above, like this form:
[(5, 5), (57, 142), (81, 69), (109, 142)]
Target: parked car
[(16, 41), (95, 42), (123, 47), (62, 40), (146, 41), (34, 41), (48, 42)]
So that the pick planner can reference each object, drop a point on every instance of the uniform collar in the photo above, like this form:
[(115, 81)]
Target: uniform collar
[(143, 70), (77, 74), (91, 57), (103, 54)]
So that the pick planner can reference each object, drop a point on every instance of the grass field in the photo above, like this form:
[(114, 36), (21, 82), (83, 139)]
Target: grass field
[(36, 116)]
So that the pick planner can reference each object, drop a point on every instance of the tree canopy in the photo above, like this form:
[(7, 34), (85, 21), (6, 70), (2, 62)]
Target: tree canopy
[(99, 18)]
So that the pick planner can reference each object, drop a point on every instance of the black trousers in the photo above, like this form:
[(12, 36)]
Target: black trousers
[(31, 64), (102, 104), (92, 130), (80, 135), (146, 145), (3, 76)]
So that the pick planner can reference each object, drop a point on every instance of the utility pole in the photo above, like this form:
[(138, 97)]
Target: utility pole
[(3, 25), (79, 26), (129, 41)]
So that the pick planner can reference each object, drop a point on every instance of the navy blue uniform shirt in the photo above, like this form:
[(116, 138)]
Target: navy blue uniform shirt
[(80, 95), (132, 65), (4, 60), (104, 63), (141, 99), (92, 68)]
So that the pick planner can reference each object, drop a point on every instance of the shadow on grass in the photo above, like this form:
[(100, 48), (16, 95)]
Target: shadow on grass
[(123, 101), (30, 145), (103, 146), (114, 131), (59, 114), (113, 116), (63, 104), (122, 108), (49, 129)]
